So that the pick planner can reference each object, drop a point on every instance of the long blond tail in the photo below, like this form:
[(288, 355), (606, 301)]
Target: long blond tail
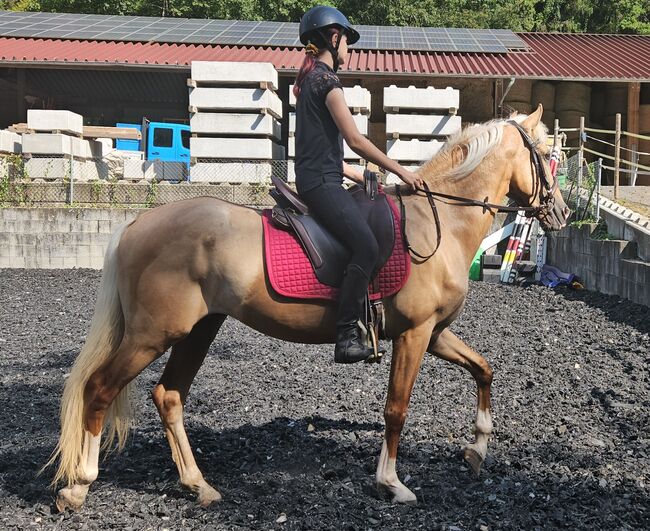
[(104, 337)]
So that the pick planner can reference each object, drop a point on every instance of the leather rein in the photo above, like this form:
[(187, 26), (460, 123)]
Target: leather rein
[(550, 184)]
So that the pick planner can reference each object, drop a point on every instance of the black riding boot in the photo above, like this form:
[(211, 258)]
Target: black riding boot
[(349, 347)]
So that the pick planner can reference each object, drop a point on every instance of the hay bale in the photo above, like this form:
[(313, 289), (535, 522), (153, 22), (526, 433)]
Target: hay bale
[(544, 92), (521, 91), (573, 96)]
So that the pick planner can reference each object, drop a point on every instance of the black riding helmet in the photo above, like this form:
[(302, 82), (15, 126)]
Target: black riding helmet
[(319, 18)]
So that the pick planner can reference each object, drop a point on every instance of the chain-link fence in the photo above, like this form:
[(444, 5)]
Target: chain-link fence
[(52, 181), (581, 187)]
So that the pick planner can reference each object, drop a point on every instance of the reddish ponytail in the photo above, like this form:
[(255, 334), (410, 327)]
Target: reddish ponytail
[(308, 65)]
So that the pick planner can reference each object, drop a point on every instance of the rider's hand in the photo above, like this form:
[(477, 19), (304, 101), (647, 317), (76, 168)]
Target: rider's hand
[(412, 179)]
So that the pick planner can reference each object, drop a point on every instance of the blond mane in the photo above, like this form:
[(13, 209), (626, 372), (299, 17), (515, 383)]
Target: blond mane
[(479, 140)]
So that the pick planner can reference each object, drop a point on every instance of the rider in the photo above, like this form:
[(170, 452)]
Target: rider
[(322, 121)]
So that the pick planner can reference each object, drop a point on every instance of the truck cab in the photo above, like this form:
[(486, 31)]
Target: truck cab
[(164, 141)]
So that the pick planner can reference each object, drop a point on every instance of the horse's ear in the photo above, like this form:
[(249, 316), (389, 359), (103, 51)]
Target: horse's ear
[(531, 122)]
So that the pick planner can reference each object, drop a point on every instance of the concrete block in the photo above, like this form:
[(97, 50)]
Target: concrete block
[(231, 73), (138, 170), (46, 120), (357, 98), (56, 144), (422, 125), (48, 168), (235, 148), (348, 154), (641, 236), (412, 150), (172, 171), (235, 124), (421, 98), (361, 121), (100, 147), (235, 99), (10, 142), (231, 172)]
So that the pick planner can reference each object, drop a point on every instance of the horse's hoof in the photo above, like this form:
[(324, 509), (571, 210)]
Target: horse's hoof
[(67, 498), (474, 460), (208, 495), (397, 494)]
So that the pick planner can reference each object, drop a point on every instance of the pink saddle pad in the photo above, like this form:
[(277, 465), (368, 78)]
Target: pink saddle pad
[(291, 274)]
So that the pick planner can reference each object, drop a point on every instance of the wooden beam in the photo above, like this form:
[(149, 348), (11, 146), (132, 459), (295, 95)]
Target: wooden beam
[(92, 131)]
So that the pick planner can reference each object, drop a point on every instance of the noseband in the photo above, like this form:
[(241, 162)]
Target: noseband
[(549, 182)]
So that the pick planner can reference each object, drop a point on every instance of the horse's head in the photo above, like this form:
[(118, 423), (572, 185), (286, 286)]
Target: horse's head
[(531, 183)]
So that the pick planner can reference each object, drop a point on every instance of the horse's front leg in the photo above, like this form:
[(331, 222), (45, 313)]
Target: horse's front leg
[(408, 351), (448, 347)]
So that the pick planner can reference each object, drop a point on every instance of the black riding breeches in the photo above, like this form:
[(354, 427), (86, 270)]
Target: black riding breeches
[(335, 208)]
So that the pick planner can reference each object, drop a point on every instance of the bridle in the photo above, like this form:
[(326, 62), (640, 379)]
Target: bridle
[(549, 182)]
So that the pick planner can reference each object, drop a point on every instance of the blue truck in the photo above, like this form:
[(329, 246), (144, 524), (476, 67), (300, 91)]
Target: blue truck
[(160, 141)]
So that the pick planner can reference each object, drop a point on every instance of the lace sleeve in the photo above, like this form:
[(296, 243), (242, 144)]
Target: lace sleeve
[(326, 82)]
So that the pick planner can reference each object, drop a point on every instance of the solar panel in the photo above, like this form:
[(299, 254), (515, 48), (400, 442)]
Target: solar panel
[(246, 32)]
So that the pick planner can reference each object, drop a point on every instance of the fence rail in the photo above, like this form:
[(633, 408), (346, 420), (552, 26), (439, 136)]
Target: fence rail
[(637, 167)]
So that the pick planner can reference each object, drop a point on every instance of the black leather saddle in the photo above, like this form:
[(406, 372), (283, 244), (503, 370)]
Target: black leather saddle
[(328, 256)]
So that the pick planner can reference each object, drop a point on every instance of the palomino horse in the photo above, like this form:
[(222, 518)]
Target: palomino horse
[(173, 275)]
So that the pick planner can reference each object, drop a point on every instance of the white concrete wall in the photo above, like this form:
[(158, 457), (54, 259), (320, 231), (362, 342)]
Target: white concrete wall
[(356, 97), (46, 120), (412, 150), (235, 124), (291, 170), (234, 73), (348, 154), (361, 121), (10, 142), (55, 238), (421, 98), (422, 125), (236, 99), (231, 172), (57, 144), (235, 148)]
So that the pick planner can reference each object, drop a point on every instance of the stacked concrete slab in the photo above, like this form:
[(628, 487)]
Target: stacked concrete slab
[(358, 100), (418, 121), (56, 148), (234, 121)]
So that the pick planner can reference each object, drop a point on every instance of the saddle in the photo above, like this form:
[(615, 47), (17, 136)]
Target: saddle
[(328, 256)]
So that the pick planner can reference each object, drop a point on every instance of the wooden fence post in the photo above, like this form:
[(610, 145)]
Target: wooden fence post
[(617, 154)]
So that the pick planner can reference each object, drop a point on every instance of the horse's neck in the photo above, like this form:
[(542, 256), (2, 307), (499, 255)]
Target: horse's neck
[(469, 224)]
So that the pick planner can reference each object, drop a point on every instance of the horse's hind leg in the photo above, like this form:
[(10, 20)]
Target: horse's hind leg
[(448, 347), (170, 394), (102, 388)]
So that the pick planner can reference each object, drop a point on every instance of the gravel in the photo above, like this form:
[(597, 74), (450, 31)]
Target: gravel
[(291, 440)]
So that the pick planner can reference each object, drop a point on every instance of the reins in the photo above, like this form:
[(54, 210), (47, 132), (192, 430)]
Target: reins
[(529, 211)]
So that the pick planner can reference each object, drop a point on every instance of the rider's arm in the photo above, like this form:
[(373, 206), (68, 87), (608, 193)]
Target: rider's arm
[(341, 115), (352, 173)]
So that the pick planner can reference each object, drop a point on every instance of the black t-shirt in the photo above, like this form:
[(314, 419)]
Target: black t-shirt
[(319, 145)]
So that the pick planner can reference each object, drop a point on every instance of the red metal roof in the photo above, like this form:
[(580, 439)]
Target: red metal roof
[(551, 56)]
